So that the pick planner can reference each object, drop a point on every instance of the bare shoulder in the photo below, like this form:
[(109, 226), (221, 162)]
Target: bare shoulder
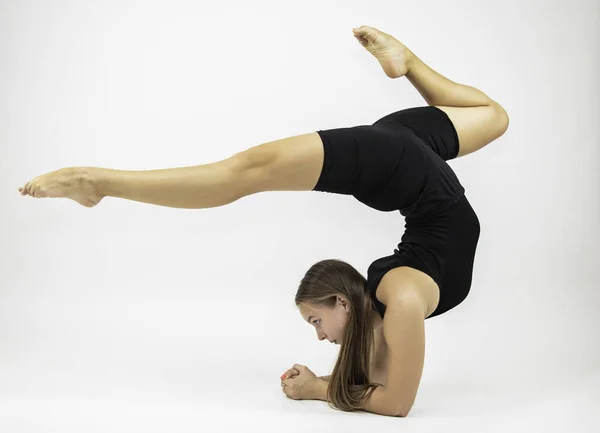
[(405, 278)]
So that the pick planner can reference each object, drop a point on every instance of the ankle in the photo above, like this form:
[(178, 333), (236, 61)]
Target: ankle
[(410, 60), (99, 178)]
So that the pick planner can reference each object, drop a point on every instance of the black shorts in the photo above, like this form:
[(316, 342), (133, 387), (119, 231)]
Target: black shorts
[(399, 164)]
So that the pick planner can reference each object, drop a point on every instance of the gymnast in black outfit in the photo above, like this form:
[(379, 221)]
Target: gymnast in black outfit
[(399, 163)]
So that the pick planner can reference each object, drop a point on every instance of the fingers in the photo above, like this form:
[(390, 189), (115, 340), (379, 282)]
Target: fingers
[(361, 30), (25, 189), (292, 372)]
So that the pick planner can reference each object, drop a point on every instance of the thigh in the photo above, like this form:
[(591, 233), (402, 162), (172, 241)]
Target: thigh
[(452, 132), (476, 126), (289, 164), (431, 124)]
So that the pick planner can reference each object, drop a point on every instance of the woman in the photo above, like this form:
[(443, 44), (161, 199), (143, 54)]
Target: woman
[(397, 163)]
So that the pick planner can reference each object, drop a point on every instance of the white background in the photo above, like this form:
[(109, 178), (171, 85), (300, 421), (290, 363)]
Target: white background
[(130, 317)]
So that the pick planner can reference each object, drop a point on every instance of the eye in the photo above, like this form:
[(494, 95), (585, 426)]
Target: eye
[(315, 321)]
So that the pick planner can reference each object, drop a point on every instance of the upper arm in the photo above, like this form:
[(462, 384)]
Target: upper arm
[(404, 332)]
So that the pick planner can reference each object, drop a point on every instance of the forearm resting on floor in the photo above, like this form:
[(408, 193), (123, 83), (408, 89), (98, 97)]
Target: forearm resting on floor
[(376, 403), (319, 390)]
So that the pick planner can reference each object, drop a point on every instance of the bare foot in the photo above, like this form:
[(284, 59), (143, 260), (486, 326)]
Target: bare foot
[(394, 57), (76, 183)]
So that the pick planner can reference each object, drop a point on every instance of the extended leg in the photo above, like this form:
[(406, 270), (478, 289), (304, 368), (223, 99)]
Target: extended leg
[(288, 164)]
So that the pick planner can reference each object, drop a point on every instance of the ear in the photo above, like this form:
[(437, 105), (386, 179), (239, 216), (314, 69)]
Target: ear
[(345, 303)]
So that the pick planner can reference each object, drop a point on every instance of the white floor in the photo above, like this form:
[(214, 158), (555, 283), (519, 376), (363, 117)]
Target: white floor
[(35, 400)]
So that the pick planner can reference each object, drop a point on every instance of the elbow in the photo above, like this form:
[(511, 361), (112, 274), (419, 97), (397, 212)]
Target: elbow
[(402, 413)]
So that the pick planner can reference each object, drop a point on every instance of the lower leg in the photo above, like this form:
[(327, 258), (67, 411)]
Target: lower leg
[(439, 90), (397, 61), (195, 187)]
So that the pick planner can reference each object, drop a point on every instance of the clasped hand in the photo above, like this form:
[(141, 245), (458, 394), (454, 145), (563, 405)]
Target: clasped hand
[(299, 382)]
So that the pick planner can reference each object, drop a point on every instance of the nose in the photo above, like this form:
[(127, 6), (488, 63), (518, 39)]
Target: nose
[(322, 337)]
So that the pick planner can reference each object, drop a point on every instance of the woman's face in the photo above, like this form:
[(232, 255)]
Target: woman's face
[(328, 322)]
